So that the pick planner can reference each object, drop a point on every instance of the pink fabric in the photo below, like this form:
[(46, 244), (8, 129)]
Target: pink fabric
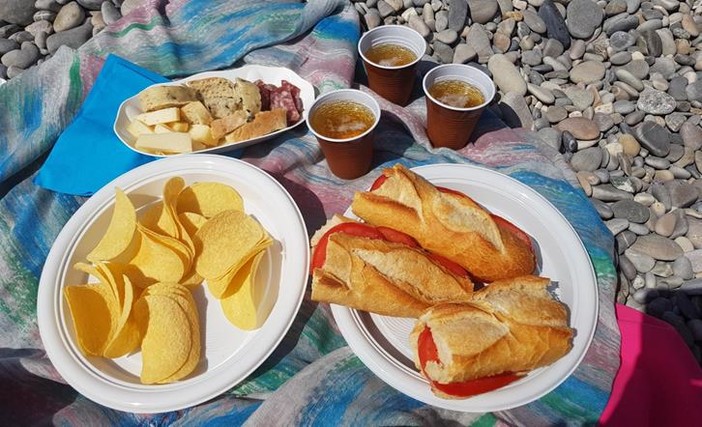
[(659, 382)]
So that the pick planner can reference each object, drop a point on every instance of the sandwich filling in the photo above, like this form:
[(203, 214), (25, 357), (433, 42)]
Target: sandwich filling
[(428, 352)]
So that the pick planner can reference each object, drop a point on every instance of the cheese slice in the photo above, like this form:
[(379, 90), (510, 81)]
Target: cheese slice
[(166, 115), (167, 143), (137, 128), (203, 135)]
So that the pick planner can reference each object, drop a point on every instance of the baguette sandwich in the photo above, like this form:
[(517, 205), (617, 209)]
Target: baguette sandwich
[(380, 270), (508, 328), (447, 223)]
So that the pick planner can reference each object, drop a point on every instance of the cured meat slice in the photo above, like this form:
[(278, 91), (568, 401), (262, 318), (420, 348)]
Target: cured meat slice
[(295, 92), (283, 98), (265, 89)]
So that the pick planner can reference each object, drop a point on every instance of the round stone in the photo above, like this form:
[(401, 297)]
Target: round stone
[(587, 72), (580, 128), (506, 75), (657, 247), (70, 16), (630, 145), (555, 23), (654, 101), (534, 21), (653, 137), (482, 11), (631, 211), (588, 159), (584, 16)]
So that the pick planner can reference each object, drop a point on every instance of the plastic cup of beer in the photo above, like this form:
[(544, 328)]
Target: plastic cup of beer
[(343, 122), (456, 95), (390, 55)]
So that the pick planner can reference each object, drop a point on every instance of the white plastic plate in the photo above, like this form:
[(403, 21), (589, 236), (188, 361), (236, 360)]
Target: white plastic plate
[(229, 354), (382, 342)]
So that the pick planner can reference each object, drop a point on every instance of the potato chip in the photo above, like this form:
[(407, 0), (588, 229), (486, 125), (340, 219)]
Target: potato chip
[(125, 336), (155, 261), (192, 279), (243, 305), (155, 220), (94, 313), (185, 299), (226, 242), (167, 337), (191, 221), (120, 231), (230, 282), (209, 198)]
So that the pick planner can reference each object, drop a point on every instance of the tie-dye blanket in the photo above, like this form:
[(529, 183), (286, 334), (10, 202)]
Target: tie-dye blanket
[(313, 378)]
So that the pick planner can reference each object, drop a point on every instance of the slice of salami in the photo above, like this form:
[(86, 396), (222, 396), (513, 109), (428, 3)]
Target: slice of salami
[(295, 92), (265, 91), (282, 98)]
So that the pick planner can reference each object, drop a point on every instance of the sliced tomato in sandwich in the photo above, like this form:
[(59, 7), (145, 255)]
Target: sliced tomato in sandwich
[(427, 351), (382, 233), (352, 228)]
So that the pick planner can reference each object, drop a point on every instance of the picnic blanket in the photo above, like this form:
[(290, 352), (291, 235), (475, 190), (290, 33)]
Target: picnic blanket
[(313, 378)]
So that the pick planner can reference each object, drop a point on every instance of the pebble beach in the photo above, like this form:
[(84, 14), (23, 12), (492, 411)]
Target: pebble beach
[(615, 86)]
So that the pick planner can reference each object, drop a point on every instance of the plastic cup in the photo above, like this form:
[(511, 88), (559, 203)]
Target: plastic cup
[(352, 157), (449, 126), (394, 83)]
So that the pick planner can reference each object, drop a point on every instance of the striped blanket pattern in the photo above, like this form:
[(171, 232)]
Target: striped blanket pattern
[(313, 378)]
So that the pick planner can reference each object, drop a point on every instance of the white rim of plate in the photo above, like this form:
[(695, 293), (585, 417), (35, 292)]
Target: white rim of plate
[(307, 96), (125, 396), (366, 332)]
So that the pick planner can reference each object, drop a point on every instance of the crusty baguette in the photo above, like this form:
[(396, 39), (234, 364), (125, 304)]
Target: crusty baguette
[(509, 326), (223, 126), (383, 277), (250, 96), (159, 97), (214, 87), (264, 123), (196, 113), (452, 226)]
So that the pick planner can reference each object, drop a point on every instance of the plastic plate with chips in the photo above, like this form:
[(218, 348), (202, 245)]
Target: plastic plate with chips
[(228, 353)]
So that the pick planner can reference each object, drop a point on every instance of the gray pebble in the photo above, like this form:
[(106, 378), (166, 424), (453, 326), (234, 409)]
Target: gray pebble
[(73, 38), (534, 21), (631, 211), (7, 45), (682, 267), (70, 16), (110, 13), (21, 58), (654, 138), (482, 11), (657, 247), (656, 102), (458, 11)]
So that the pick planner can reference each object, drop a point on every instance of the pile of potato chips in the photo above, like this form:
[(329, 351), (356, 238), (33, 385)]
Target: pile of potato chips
[(145, 266)]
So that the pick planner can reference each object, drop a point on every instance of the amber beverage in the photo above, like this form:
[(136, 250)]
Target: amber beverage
[(343, 122), (456, 96), (390, 55)]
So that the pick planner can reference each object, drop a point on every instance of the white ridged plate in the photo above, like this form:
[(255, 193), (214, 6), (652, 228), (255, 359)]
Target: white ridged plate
[(382, 342), (229, 354), (130, 108)]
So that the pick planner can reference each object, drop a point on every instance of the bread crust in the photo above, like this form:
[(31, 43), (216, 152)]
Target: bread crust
[(449, 225), (510, 326), (264, 123), (383, 277)]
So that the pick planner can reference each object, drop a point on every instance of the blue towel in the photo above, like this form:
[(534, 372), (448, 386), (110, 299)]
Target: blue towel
[(88, 154)]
